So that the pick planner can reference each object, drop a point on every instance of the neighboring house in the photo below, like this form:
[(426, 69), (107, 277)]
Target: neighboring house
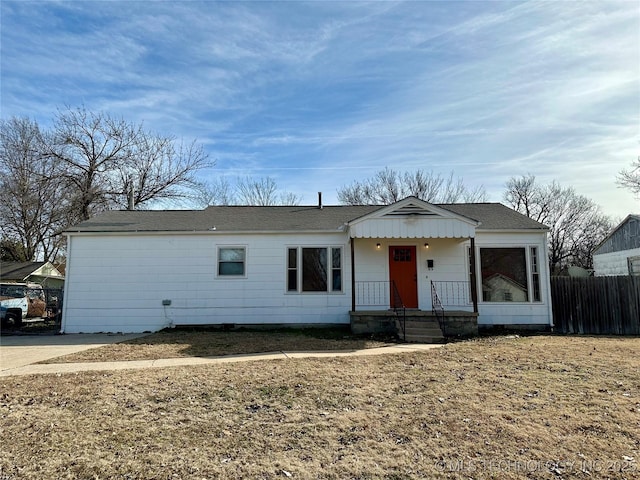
[(500, 288), (44, 273), (619, 252), (134, 271)]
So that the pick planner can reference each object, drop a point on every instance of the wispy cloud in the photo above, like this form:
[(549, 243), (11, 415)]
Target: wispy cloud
[(318, 94)]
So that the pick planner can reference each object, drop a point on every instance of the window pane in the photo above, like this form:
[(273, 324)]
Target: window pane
[(336, 284), (535, 274), (336, 269), (335, 257), (231, 268), (292, 280), (504, 275), (314, 269), (231, 254), (231, 261), (401, 255), (293, 258)]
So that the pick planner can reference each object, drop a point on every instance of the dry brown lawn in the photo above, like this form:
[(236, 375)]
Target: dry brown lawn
[(210, 343), (531, 407)]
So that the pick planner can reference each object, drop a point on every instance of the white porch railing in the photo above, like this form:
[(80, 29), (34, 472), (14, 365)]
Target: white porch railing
[(373, 294), (453, 293)]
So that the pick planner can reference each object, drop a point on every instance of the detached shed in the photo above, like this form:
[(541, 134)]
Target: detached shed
[(619, 252)]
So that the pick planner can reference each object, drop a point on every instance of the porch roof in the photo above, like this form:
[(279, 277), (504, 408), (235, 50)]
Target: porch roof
[(413, 218)]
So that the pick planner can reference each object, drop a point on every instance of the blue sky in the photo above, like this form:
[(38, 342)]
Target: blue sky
[(319, 94)]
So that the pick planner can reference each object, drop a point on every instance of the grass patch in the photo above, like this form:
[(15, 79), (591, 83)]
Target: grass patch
[(534, 407), (184, 342)]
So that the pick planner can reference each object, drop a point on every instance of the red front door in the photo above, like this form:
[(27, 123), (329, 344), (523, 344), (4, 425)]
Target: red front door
[(403, 273)]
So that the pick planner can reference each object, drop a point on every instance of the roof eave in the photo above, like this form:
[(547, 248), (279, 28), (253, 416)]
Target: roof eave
[(512, 230), (197, 232)]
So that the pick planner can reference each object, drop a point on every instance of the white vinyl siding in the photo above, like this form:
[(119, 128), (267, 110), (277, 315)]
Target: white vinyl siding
[(116, 283)]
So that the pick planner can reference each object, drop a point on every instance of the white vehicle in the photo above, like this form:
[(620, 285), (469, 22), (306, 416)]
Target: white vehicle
[(15, 298)]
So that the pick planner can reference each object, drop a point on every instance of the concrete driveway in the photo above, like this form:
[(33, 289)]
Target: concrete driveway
[(20, 350)]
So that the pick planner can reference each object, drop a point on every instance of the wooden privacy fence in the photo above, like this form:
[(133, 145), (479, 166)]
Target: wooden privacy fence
[(596, 305)]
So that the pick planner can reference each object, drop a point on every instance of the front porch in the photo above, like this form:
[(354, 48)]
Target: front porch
[(413, 272), (416, 325), (378, 307)]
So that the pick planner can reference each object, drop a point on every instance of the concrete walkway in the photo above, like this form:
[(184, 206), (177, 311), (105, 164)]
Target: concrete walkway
[(20, 350), (176, 362)]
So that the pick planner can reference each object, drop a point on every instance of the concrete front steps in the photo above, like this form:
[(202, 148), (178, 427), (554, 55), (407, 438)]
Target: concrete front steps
[(421, 326), (423, 330)]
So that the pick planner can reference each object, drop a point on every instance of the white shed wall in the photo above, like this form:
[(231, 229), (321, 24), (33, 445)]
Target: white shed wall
[(613, 263), (117, 283)]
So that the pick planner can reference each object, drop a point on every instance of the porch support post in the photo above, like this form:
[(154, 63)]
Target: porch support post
[(353, 275), (474, 276)]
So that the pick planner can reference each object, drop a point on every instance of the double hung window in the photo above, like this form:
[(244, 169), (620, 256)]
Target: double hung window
[(231, 261)]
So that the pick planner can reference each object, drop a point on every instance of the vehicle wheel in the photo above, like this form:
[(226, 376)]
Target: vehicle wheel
[(14, 319)]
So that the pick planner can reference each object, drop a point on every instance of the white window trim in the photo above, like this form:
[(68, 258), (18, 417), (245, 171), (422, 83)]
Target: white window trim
[(527, 249), (299, 279), (231, 277)]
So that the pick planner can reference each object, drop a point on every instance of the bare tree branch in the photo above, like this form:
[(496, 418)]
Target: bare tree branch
[(388, 186), (104, 157), (576, 224), (33, 203), (88, 162), (630, 178), (262, 192), (245, 191)]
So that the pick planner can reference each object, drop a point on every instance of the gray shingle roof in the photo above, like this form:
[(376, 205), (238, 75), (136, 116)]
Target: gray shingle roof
[(493, 216), (18, 271)]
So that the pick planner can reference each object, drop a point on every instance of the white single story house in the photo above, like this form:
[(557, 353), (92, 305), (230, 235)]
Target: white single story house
[(135, 271), (619, 252)]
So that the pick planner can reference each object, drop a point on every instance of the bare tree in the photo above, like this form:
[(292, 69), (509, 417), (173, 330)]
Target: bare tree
[(388, 186), (630, 178), (33, 203), (160, 170), (88, 162), (591, 236), (102, 158), (576, 224), (246, 191), (262, 192), (216, 192)]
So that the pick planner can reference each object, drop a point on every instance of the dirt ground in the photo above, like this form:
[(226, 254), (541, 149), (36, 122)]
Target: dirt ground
[(530, 407), (210, 343)]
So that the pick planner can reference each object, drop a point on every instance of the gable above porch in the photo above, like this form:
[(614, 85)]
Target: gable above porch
[(412, 218)]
